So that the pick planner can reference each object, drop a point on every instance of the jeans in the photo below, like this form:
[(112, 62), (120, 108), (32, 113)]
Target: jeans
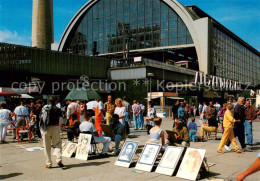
[(141, 121), (248, 132), (127, 118), (118, 138), (3, 129), (192, 135), (136, 120)]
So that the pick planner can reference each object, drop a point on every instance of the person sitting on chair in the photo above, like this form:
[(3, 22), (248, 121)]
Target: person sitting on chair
[(212, 125), (118, 129), (88, 128), (73, 128), (181, 136)]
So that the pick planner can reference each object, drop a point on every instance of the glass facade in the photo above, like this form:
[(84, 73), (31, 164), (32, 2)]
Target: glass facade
[(232, 60), (147, 24)]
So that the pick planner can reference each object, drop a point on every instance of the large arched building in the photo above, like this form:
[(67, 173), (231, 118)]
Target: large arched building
[(160, 30)]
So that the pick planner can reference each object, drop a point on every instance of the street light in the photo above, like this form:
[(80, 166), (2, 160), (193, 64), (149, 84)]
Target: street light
[(125, 54), (150, 75)]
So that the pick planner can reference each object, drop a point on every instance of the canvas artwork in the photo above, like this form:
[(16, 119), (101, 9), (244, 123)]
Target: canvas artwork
[(149, 154), (169, 160), (127, 153), (191, 163), (69, 150), (83, 146)]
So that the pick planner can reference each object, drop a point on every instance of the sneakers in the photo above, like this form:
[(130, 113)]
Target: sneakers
[(116, 151), (247, 149), (227, 148), (60, 164), (239, 151), (47, 166), (220, 151)]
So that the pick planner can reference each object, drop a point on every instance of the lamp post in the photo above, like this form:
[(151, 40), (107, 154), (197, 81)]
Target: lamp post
[(150, 75), (125, 54)]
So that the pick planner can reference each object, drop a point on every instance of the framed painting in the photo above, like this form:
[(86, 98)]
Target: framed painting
[(169, 160), (83, 146), (148, 157), (69, 150), (127, 153), (191, 163)]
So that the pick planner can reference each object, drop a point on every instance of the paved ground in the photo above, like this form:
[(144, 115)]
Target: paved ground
[(19, 164)]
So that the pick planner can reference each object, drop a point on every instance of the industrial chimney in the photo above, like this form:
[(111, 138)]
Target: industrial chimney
[(42, 24)]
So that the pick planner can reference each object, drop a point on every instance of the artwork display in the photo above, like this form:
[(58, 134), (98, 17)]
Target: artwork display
[(127, 153), (83, 146), (148, 157), (191, 163), (169, 160), (69, 150)]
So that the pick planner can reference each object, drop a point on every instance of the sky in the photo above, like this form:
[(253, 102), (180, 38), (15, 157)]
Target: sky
[(240, 16)]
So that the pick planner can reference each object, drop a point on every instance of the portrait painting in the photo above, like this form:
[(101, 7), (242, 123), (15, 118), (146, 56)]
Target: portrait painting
[(69, 150), (149, 154), (191, 163), (171, 157), (128, 151), (83, 146)]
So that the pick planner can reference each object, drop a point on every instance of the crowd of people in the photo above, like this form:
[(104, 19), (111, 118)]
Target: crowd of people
[(74, 117)]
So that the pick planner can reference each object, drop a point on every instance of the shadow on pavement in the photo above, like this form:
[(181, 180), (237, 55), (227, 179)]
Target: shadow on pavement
[(10, 175), (84, 165)]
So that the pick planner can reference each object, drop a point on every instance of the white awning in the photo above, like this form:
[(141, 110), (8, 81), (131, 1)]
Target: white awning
[(26, 96), (175, 97)]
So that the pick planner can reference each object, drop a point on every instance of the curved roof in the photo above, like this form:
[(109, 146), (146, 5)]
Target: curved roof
[(177, 7), (198, 36)]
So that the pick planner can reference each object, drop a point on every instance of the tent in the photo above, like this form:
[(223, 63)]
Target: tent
[(83, 94)]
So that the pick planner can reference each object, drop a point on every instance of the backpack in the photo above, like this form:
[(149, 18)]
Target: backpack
[(49, 115)]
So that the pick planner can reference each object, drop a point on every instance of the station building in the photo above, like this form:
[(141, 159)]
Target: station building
[(164, 31)]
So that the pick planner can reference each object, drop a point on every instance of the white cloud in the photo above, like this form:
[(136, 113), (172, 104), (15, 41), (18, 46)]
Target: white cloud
[(14, 38)]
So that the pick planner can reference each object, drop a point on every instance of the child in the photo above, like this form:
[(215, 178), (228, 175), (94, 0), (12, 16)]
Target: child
[(192, 129), (156, 132)]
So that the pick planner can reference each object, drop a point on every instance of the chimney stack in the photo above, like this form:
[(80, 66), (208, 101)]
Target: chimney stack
[(42, 24)]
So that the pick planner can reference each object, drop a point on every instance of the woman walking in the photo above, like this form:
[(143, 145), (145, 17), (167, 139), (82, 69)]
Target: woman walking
[(228, 124)]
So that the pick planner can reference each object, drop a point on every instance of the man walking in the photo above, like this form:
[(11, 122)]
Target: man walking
[(250, 116), (51, 132)]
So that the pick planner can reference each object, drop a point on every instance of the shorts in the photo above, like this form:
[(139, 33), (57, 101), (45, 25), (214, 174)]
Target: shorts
[(20, 121)]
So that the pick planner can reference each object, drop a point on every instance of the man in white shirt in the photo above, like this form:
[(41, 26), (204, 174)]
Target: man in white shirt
[(87, 127), (21, 112), (73, 108), (5, 117)]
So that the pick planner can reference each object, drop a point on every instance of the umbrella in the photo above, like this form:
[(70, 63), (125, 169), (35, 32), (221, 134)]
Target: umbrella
[(83, 94)]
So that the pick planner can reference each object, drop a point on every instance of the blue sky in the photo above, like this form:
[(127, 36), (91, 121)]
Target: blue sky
[(240, 16)]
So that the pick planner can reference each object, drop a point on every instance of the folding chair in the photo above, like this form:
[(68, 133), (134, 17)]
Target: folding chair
[(23, 130), (212, 135)]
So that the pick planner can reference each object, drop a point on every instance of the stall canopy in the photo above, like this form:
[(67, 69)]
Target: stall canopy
[(83, 94), (177, 98), (26, 96)]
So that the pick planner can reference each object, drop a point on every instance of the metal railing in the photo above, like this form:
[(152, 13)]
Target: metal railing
[(127, 63)]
